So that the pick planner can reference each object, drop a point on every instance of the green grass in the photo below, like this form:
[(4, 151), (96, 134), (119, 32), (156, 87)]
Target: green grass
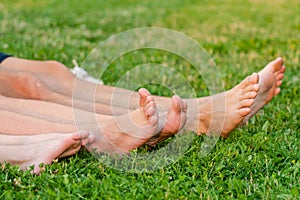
[(258, 161)]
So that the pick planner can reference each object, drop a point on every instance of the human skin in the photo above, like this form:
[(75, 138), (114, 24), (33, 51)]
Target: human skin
[(32, 150), (39, 132), (41, 104), (51, 81), (114, 134)]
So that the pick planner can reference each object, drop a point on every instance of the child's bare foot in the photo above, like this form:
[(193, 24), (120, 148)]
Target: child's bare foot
[(172, 123), (129, 131), (33, 150), (221, 113), (270, 79)]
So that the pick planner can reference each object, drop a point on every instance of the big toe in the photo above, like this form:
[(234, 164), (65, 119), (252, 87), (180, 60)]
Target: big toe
[(144, 93), (249, 81), (90, 139), (177, 104), (150, 110), (253, 79), (275, 65), (80, 135)]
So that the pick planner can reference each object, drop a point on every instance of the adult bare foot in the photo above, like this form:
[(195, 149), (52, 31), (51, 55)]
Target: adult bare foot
[(172, 123), (129, 131), (270, 79), (221, 113), (33, 150)]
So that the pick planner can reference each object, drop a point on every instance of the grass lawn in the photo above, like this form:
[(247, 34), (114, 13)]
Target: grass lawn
[(258, 161)]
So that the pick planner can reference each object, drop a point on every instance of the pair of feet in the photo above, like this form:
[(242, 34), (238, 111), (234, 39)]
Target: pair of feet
[(219, 114), (145, 125)]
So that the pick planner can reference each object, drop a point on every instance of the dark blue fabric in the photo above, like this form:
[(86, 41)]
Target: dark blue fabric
[(3, 56)]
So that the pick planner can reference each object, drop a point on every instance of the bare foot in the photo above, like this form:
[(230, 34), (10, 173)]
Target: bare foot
[(172, 123), (33, 150), (223, 112), (129, 131), (270, 79)]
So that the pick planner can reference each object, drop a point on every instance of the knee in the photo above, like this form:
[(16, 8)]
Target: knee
[(30, 86), (26, 78)]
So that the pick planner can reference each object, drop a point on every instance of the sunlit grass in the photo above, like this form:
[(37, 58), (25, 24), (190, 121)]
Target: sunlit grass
[(258, 161)]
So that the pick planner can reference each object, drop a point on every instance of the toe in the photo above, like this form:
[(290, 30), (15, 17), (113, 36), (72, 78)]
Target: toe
[(177, 103), (150, 111), (253, 88), (283, 68), (153, 120), (247, 103), (276, 64), (89, 140), (250, 88), (277, 91), (149, 99), (244, 111), (254, 78), (279, 83), (249, 81), (250, 95), (79, 135), (37, 169), (279, 77), (149, 105), (144, 93)]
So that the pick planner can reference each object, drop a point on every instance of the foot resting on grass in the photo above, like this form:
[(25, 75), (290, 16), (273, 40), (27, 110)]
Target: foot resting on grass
[(223, 112), (33, 150), (270, 79), (129, 131), (173, 122)]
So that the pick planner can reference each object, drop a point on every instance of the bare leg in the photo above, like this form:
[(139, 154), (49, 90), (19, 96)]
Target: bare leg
[(41, 117), (27, 85), (119, 134), (52, 81), (104, 93), (26, 151), (63, 81), (30, 84)]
